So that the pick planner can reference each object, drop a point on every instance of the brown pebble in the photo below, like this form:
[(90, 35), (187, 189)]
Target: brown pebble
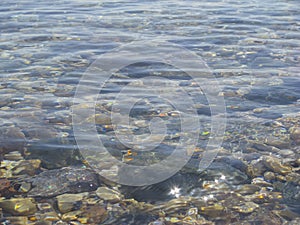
[(19, 206), (269, 175), (276, 166), (295, 134), (248, 189), (278, 142)]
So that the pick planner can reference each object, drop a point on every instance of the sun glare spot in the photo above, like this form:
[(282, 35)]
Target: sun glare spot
[(175, 191)]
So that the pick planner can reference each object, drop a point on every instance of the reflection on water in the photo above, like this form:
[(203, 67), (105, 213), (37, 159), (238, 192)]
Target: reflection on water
[(252, 49)]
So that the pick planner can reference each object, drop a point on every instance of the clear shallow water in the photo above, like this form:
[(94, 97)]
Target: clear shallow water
[(252, 48)]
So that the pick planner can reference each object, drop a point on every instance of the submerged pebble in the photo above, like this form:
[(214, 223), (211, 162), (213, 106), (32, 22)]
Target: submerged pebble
[(15, 220), (295, 134), (11, 139), (69, 202), (108, 194), (60, 181), (19, 206), (276, 166)]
